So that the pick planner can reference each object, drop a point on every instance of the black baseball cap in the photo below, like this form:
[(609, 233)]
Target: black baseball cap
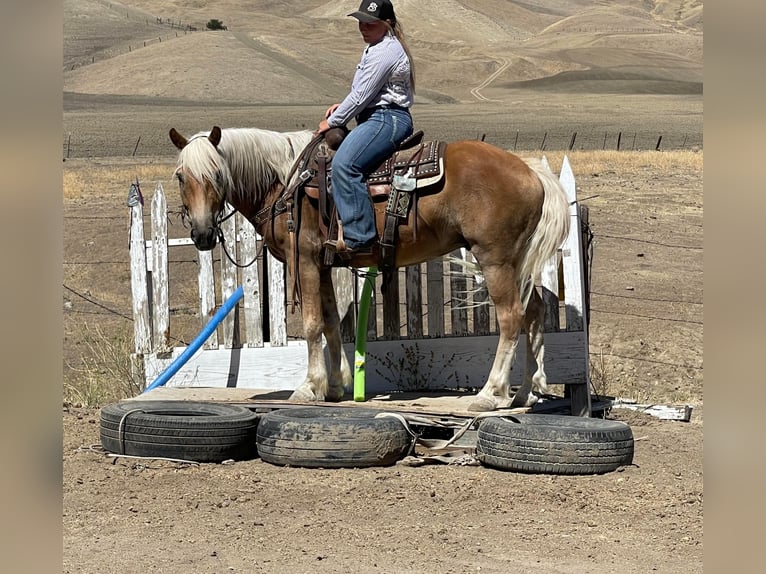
[(374, 10)]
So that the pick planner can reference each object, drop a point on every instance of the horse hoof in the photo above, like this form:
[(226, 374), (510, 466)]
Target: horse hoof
[(524, 402), (303, 395), (334, 394), (482, 404)]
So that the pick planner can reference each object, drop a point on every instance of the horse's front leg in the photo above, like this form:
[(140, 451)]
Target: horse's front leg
[(339, 369), (534, 318), (314, 387)]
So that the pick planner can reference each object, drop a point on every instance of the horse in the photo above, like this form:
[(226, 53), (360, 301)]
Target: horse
[(510, 212)]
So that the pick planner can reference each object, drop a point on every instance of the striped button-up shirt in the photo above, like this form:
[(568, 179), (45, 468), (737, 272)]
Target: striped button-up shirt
[(382, 78)]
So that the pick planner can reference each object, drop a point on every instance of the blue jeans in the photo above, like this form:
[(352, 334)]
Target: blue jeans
[(366, 146)]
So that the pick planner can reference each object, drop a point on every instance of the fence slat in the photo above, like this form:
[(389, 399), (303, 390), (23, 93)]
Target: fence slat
[(458, 294), (230, 324), (391, 320), (572, 257), (160, 307), (248, 247), (206, 285), (435, 297), (277, 316), (142, 334), (414, 301)]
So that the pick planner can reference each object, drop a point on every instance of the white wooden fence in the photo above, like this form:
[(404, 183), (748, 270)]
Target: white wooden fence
[(434, 327)]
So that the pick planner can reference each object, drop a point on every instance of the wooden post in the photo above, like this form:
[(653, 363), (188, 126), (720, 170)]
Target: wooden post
[(414, 298), (229, 281), (142, 333), (574, 293), (458, 288), (435, 297), (248, 248), (161, 313)]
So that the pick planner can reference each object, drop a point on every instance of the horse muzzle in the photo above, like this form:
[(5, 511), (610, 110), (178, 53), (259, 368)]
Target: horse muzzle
[(204, 239)]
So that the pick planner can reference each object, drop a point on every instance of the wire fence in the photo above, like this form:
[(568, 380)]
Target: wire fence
[(157, 144), (78, 303)]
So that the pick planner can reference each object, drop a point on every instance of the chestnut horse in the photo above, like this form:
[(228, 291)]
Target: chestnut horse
[(511, 213)]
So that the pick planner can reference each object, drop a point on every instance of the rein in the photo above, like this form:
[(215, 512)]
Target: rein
[(222, 241)]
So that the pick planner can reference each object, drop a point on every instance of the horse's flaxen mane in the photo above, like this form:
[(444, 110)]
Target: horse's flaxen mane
[(248, 161)]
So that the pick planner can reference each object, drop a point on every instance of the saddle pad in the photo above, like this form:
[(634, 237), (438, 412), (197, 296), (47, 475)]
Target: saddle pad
[(423, 158)]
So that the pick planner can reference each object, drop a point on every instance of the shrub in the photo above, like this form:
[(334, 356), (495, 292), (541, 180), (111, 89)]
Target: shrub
[(214, 24)]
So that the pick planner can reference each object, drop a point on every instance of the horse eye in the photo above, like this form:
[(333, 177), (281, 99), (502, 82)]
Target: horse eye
[(180, 177), (219, 177)]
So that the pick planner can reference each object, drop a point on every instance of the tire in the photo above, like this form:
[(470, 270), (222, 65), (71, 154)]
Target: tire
[(188, 430), (331, 437), (554, 444)]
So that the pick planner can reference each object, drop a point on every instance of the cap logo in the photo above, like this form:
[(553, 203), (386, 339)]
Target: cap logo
[(372, 7)]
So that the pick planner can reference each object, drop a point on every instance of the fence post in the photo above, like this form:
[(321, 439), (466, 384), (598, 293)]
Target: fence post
[(161, 312), (138, 282)]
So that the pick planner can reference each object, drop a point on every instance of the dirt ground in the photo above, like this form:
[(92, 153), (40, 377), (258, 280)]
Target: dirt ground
[(254, 517)]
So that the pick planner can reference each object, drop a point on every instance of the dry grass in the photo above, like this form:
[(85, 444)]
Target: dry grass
[(91, 178), (106, 373), (627, 162), (83, 178)]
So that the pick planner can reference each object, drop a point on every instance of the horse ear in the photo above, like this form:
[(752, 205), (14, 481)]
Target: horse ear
[(215, 136), (178, 140)]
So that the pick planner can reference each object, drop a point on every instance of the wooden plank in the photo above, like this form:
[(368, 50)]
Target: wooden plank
[(574, 290), (572, 257), (458, 294), (465, 361), (414, 301), (160, 287), (248, 248), (681, 413), (277, 299), (391, 320), (142, 334), (344, 284), (445, 363), (206, 286), (549, 283), (479, 302), (229, 283), (435, 297), (269, 367)]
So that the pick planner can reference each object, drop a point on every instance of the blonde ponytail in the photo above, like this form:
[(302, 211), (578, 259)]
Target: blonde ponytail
[(397, 30)]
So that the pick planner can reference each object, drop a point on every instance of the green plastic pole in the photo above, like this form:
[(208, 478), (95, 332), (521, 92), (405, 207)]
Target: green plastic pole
[(360, 348)]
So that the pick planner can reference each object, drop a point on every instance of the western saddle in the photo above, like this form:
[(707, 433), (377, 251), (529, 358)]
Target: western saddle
[(416, 168)]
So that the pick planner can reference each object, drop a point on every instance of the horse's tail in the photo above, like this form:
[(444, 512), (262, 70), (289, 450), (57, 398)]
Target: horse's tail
[(551, 231)]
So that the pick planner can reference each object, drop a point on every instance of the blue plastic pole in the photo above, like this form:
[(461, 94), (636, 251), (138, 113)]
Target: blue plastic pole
[(172, 369)]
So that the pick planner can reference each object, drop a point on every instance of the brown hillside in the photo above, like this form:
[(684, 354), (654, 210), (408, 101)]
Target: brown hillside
[(304, 52)]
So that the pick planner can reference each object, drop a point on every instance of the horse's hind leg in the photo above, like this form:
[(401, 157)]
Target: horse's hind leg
[(501, 285), (534, 372), (339, 369)]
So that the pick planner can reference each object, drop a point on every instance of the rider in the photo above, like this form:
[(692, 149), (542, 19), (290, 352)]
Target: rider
[(380, 97)]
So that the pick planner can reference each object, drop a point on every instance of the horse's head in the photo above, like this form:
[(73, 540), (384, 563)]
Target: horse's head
[(204, 179)]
